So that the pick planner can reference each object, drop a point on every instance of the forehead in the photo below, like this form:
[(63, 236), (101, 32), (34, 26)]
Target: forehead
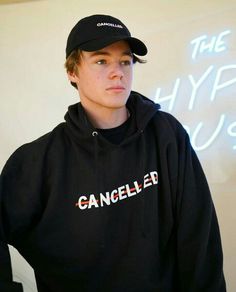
[(120, 48)]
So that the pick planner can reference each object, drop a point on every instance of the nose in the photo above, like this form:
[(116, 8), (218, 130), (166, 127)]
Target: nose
[(116, 71)]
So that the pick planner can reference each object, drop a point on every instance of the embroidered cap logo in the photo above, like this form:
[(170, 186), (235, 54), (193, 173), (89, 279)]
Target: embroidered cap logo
[(109, 24)]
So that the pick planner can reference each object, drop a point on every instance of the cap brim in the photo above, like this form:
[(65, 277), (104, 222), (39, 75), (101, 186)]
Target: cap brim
[(137, 46)]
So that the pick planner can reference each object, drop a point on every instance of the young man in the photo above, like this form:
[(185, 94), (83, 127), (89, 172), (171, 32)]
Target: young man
[(114, 199)]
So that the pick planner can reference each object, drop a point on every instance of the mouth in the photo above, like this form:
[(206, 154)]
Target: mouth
[(116, 88)]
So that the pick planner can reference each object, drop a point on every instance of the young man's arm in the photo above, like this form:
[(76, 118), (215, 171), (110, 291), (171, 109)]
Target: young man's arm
[(20, 206), (6, 280)]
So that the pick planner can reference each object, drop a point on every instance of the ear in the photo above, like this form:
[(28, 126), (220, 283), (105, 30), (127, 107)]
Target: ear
[(73, 77)]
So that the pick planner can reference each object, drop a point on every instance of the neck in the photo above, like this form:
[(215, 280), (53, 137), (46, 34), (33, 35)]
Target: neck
[(107, 118)]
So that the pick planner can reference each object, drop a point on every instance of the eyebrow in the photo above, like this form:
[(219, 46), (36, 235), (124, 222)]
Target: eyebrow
[(104, 53)]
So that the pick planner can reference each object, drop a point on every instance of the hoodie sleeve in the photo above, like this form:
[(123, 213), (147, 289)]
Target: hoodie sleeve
[(199, 250), (6, 282), (6, 279), (19, 206)]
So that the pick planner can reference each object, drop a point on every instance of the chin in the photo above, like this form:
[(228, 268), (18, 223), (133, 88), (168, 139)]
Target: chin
[(120, 98), (118, 103)]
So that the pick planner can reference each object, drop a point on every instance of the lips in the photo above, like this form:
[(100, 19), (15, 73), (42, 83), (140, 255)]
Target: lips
[(116, 88)]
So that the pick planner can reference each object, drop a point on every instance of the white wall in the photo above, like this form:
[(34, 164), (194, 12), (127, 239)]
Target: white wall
[(35, 92)]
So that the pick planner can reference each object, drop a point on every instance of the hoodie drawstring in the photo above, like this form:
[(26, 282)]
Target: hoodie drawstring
[(95, 135), (97, 183), (144, 226), (96, 172)]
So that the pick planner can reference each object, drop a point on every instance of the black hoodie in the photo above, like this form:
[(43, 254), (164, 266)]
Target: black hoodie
[(89, 215)]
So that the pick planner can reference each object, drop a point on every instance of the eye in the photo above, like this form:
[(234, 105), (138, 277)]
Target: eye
[(101, 62), (126, 62)]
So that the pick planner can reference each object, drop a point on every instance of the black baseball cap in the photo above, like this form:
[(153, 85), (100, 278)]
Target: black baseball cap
[(97, 31)]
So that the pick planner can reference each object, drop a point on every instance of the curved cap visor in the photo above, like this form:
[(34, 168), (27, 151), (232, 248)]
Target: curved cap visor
[(136, 46)]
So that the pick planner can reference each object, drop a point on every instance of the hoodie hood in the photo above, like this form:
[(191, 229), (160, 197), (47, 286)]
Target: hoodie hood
[(140, 107)]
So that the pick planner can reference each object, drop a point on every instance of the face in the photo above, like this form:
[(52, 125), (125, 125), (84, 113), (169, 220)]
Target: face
[(104, 77)]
